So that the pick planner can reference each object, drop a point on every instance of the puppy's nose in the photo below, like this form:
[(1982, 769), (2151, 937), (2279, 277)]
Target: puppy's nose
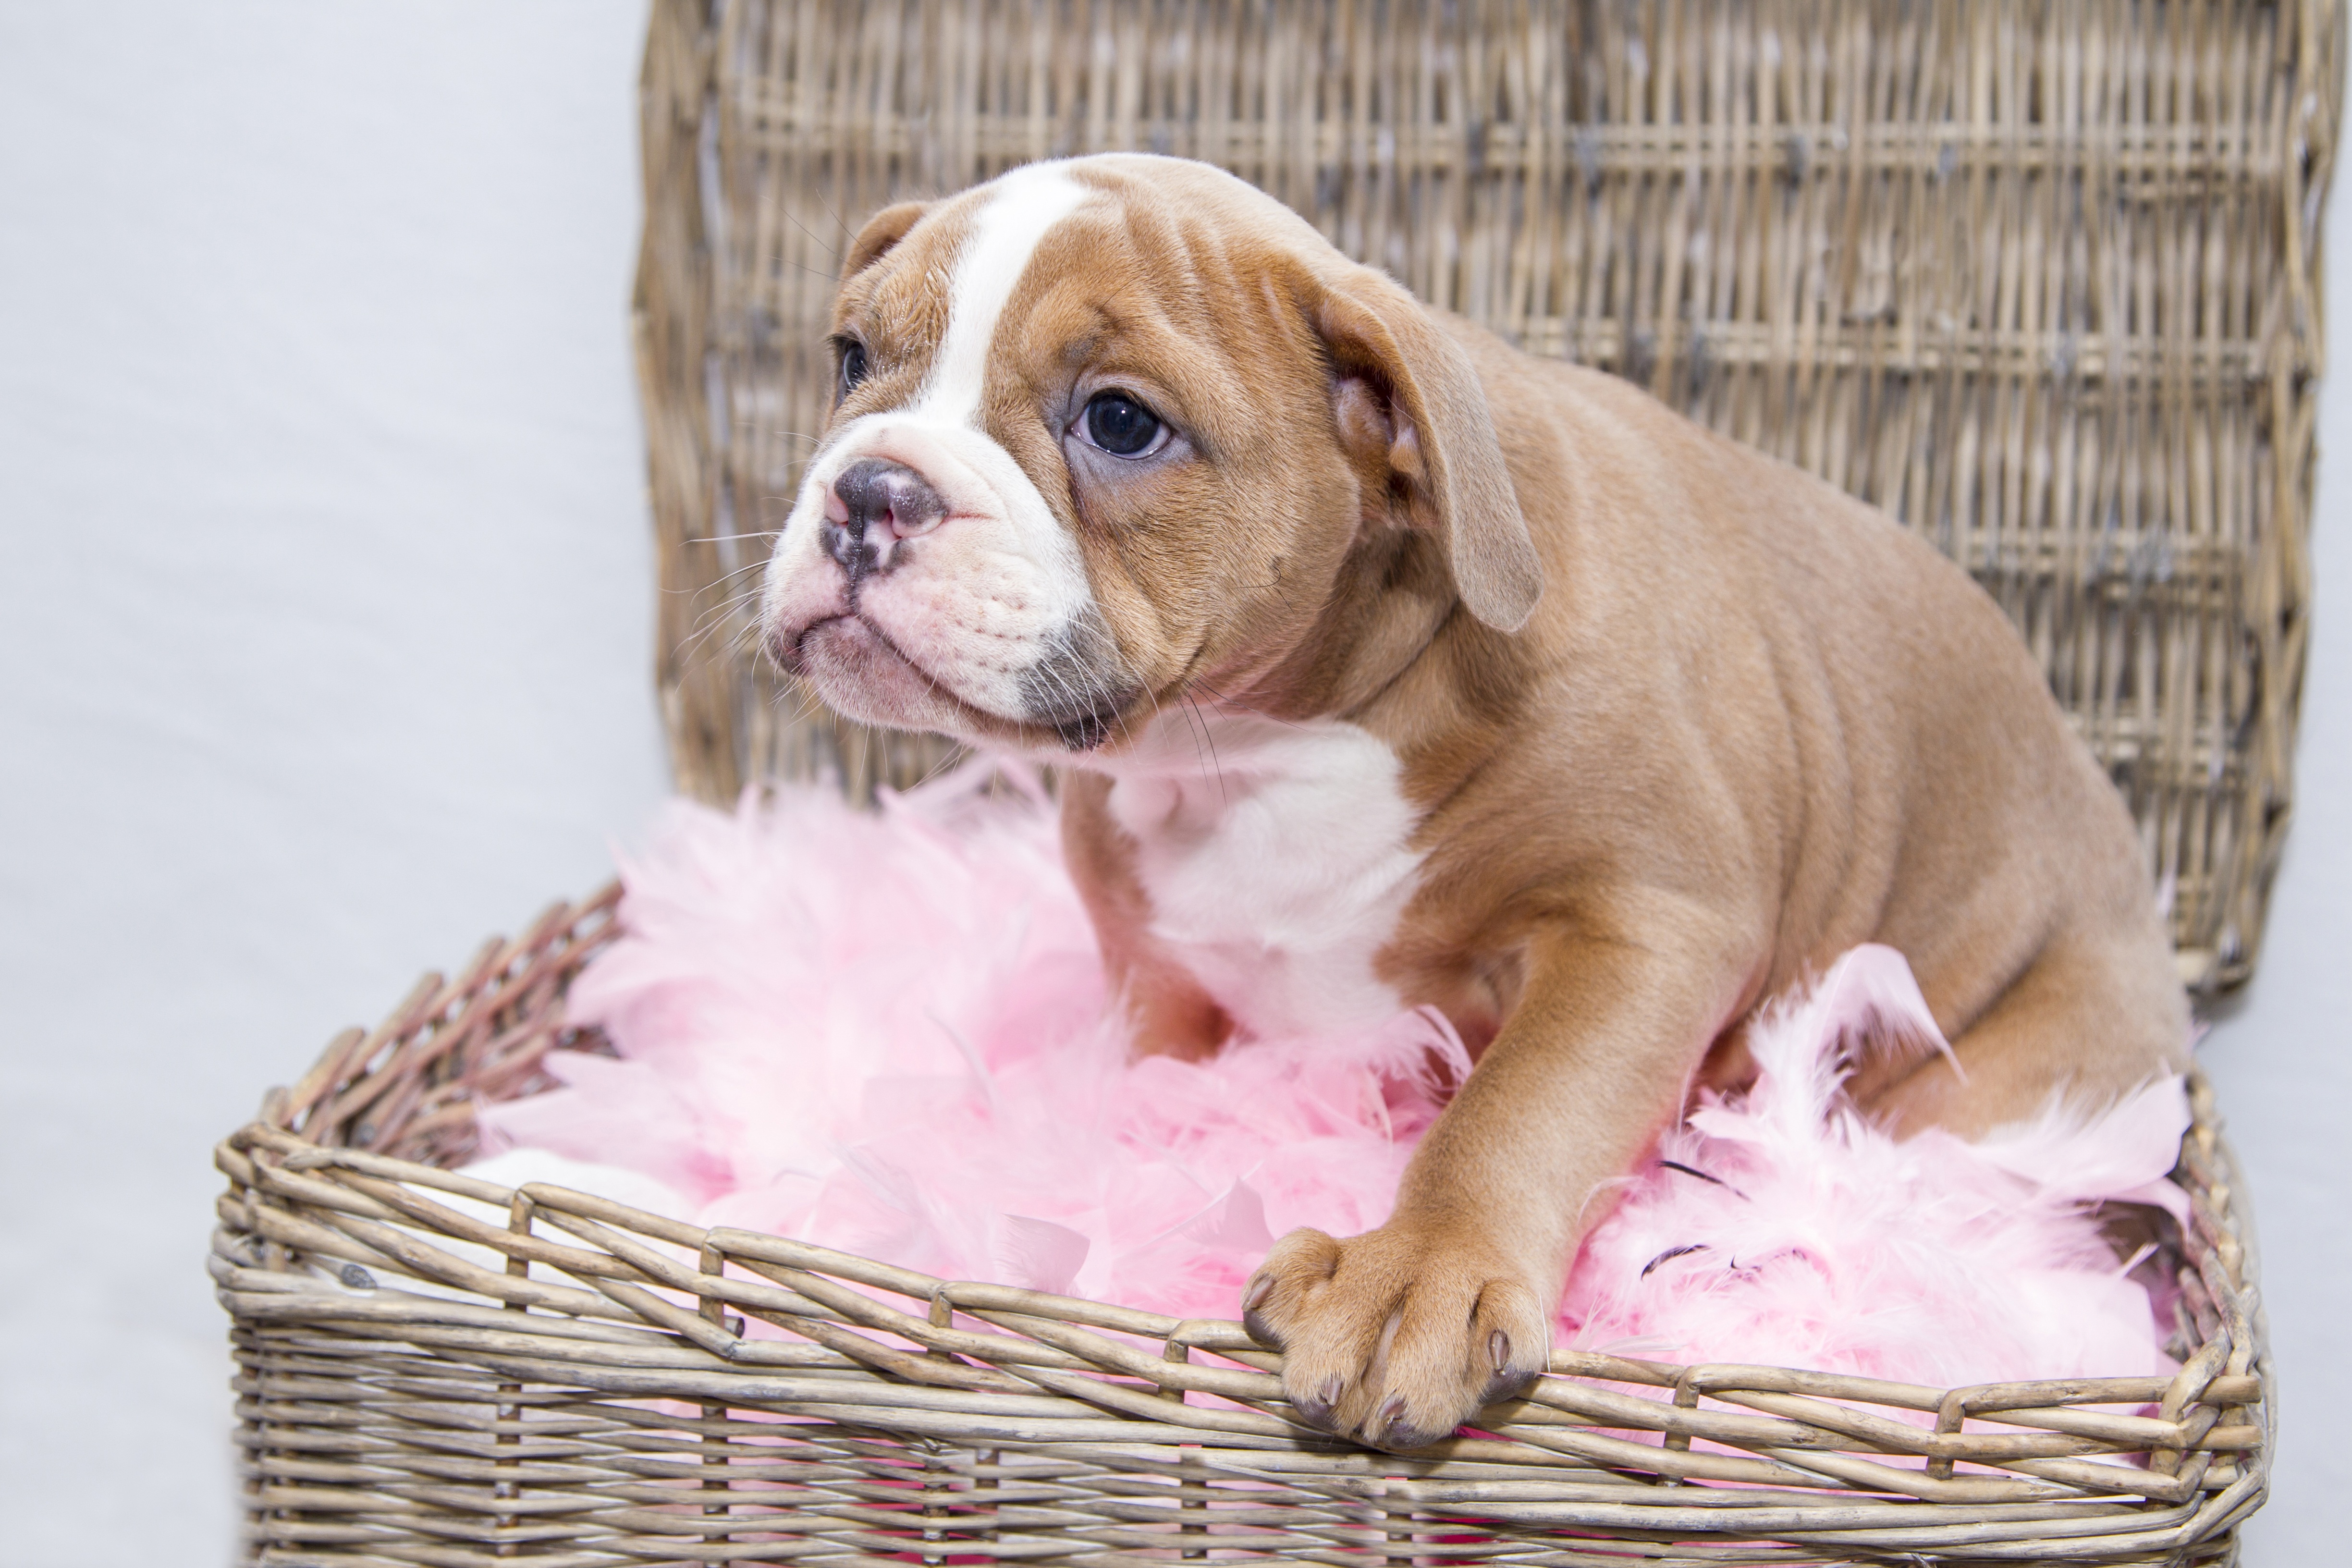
[(875, 503)]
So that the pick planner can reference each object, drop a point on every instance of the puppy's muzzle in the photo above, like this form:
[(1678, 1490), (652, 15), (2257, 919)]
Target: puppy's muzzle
[(875, 503)]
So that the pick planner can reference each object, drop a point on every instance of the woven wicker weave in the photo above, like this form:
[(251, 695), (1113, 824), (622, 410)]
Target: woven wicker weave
[(565, 1381), (2040, 279)]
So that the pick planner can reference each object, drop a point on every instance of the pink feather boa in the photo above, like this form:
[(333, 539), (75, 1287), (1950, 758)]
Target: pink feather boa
[(888, 1033)]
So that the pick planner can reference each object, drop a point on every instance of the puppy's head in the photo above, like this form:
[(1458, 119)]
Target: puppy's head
[(1110, 427)]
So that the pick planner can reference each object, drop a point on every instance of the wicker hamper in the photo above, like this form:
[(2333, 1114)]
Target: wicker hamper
[(2042, 280)]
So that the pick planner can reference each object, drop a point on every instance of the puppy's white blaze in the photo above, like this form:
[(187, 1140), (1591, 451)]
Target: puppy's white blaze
[(1016, 574), (1277, 863), (1021, 211)]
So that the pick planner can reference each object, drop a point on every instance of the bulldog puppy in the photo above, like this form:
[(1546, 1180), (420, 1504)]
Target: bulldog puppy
[(1387, 665)]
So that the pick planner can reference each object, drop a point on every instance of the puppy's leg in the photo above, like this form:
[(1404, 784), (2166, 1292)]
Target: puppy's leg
[(1169, 1011), (2089, 1021), (1397, 1336)]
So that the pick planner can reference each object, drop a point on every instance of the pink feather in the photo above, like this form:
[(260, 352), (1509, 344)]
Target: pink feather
[(889, 1033), (1780, 1226)]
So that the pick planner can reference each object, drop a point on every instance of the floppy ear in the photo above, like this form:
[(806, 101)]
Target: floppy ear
[(883, 231), (1402, 378)]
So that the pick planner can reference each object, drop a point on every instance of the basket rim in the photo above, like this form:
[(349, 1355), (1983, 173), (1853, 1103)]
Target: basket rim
[(235, 1155)]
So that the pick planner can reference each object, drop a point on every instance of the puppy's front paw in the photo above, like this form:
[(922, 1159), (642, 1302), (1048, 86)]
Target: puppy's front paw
[(1396, 1337)]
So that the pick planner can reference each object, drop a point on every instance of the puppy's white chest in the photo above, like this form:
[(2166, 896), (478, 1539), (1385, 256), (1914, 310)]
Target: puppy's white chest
[(1276, 862)]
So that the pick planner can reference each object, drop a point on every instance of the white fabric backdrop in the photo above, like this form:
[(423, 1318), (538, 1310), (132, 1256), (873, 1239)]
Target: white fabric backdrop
[(325, 611)]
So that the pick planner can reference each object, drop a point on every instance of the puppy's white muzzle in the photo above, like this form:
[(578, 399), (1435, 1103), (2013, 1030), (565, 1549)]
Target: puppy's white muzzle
[(967, 577)]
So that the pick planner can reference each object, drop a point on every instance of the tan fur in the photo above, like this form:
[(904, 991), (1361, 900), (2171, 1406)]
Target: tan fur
[(1747, 724)]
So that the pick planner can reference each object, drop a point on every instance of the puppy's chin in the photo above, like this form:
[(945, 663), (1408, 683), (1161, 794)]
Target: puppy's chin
[(861, 676)]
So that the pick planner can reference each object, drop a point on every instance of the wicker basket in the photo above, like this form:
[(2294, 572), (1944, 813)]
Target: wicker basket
[(561, 1380), (2042, 280), (2039, 277)]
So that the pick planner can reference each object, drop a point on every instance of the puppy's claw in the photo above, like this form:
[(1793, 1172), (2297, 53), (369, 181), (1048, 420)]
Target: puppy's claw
[(1507, 1383), (1506, 1386), (1300, 1259), (1316, 1410), (1254, 1322), (1392, 1430)]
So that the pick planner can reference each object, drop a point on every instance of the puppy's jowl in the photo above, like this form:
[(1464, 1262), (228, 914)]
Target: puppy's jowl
[(1388, 667)]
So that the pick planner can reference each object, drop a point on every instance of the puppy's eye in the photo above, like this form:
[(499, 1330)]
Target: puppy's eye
[(1121, 425), (853, 366)]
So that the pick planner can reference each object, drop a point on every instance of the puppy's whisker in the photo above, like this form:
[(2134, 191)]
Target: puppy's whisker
[(747, 426), (732, 613), (738, 600), (791, 219), (1238, 706), (693, 644), (832, 277), (1125, 729), (713, 620), (1128, 731), (806, 704), (1201, 753), (722, 580), (694, 588), (948, 760), (1208, 733), (847, 232), (1120, 716), (1078, 702), (1192, 727)]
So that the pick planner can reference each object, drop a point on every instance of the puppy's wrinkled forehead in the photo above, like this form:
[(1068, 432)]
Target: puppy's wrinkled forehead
[(934, 309), (1089, 236)]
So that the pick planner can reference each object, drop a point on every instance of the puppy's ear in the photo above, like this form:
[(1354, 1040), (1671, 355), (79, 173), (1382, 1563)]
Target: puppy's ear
[(883, 231), (1402, 380)]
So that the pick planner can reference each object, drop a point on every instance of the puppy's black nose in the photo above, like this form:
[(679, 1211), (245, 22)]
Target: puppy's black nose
[(875, 503)]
